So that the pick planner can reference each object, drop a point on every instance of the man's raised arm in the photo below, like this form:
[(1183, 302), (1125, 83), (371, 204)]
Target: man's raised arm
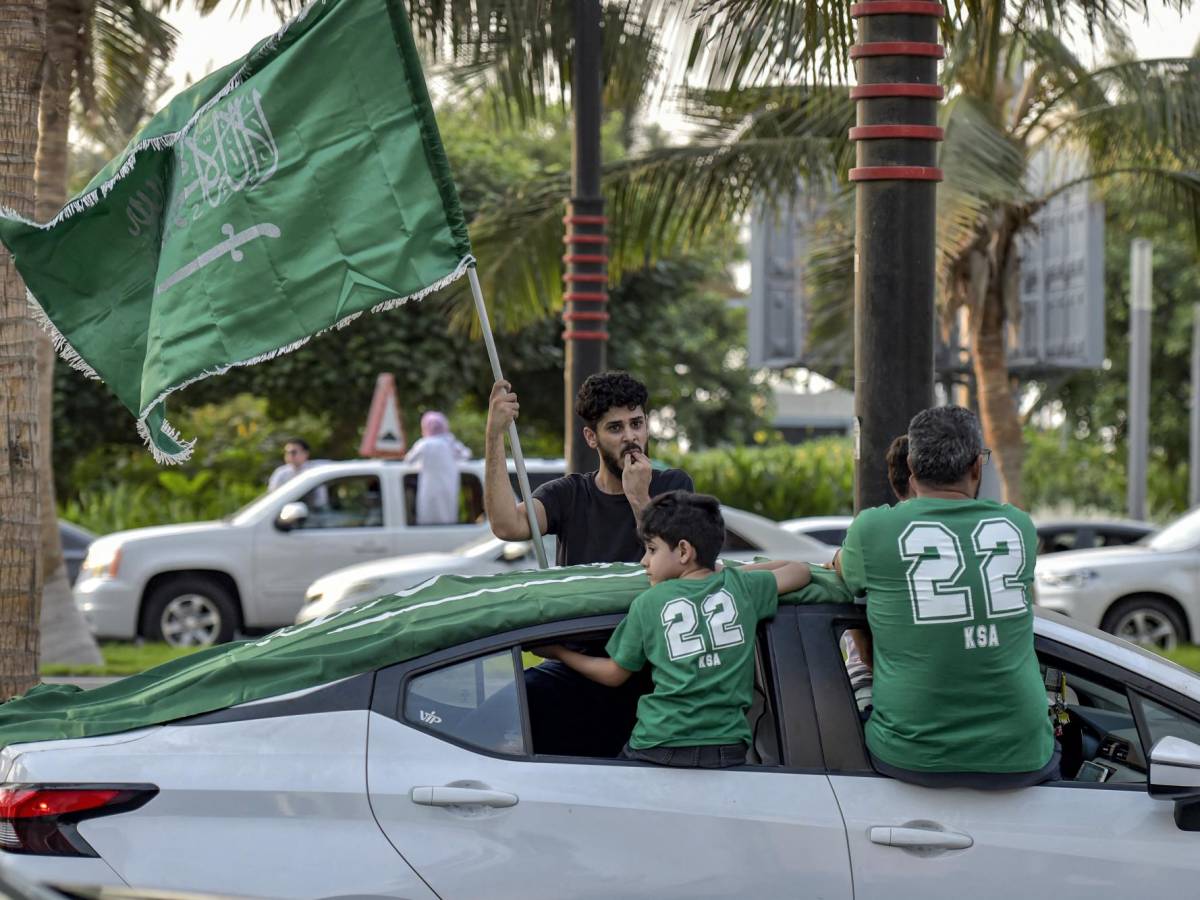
[(505, 515)]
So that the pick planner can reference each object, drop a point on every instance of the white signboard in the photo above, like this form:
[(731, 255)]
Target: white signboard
[(778, 288), (1061, 274)]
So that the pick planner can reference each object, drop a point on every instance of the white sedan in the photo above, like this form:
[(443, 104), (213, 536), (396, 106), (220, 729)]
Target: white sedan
[(393, 783), (746, 535), (1148, 592)]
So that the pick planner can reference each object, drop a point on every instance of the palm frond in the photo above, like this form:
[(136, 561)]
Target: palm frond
[(984, 168), (129, 50), (1150, 111)]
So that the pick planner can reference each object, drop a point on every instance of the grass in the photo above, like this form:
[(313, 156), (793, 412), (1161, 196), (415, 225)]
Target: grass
[(1187, 655), (122, 658)]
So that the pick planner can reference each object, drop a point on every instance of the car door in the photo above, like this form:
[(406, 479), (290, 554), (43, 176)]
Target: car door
[(413, 537), (345, 525), (1069, 839), (458, 792)]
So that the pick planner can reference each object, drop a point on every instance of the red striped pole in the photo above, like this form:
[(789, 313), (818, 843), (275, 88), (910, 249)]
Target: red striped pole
[(896, 174)]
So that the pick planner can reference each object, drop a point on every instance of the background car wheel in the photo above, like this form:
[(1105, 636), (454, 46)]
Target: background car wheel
[(190, 611), (1148, 621)]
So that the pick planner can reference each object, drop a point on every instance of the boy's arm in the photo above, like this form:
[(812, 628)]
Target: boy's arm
[(789, 576), (600, 669)]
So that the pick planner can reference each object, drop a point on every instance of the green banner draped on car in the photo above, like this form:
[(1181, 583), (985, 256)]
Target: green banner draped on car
[(283, 195), (441, 613)]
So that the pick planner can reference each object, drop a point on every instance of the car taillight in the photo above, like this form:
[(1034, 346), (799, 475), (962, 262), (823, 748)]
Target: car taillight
[(41, 818)]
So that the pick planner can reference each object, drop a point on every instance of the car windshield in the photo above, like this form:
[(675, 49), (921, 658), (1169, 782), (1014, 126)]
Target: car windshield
[(248, 510), (1182, 534)]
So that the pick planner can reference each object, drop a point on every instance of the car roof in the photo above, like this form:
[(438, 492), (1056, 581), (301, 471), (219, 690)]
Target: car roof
[(1130, 524)]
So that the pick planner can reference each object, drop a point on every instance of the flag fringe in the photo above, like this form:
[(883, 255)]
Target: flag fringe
[(62, 346), (183, 455), (164, 141)]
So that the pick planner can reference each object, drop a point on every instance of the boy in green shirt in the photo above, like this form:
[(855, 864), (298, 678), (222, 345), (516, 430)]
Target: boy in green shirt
[(696, 628)]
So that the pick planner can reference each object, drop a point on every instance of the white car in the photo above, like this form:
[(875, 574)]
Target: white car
[(1147, 592), (199, 583), (746, 535), (385, 784), (829, 530)]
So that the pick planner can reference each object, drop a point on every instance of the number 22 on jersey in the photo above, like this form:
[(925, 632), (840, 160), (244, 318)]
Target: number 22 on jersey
[(680, 622), (934, 581)]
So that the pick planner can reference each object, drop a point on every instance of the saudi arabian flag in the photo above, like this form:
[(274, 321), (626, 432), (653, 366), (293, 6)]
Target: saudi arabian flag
[(283, 195)]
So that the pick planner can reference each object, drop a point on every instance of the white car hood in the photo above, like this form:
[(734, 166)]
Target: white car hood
[(1096, 558), (157, 532), (411, 564)]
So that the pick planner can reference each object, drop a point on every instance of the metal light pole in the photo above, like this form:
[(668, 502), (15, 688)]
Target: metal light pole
[(1140, 280), (1194, 417), (896, 63), (585, 280)]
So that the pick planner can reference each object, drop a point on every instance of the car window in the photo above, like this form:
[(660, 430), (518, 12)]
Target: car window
[(1162, 721), (470, 500), (1115, 538), (834, 537), (1056, 541), (351, 502), (735, 543), (473, 702)]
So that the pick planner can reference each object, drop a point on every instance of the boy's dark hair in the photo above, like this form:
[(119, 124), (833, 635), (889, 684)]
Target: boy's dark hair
[(605, 390), (300, 442), (897, 463), (683, 516)]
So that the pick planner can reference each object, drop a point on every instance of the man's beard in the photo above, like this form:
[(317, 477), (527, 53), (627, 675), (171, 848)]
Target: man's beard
[(616, 464)]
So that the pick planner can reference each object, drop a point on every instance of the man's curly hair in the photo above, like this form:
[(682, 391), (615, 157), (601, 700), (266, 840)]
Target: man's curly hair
[(607, 390)]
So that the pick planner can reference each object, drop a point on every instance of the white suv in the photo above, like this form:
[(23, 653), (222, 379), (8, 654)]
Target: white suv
[(200, 583)]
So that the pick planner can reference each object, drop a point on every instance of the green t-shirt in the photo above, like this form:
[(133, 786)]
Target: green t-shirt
[(698, 636), (949, 588)]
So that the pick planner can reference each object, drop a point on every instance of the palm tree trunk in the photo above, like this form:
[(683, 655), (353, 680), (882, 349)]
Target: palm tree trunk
[(22, 45), (997, 403), (65, 635)]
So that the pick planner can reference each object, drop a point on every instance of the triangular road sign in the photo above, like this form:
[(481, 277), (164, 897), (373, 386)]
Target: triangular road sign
[(384, 436)]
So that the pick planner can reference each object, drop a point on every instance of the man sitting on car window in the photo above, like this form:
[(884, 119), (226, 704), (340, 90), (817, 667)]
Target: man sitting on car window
[(696, 628), (959, 700)]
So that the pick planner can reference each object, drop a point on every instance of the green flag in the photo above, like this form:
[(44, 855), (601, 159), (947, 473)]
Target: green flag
[(282, 196), (443, 612)]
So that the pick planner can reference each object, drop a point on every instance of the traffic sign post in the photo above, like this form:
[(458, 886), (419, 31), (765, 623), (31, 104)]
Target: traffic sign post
[(384, 437)]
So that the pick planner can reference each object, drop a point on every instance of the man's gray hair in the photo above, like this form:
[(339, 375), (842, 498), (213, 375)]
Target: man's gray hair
[(943, 443)]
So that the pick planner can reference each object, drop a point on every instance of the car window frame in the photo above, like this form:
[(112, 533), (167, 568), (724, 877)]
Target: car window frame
[(842, 737), (796, 734)]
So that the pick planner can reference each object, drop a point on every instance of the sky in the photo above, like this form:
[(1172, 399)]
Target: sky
[(209, 42)]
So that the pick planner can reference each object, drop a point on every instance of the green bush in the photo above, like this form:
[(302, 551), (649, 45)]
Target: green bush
[(782, 481), (1068, 474), (116, 487)]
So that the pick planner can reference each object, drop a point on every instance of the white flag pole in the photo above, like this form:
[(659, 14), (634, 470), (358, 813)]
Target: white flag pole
[(518, 457)]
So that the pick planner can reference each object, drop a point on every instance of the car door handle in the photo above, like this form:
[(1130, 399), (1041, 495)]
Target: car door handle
[(919, 838), (462, 796)]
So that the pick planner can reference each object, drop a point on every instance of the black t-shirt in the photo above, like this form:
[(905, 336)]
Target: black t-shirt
[(593, 526)]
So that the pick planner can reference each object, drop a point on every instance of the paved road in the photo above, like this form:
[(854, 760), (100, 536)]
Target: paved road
[(84, 681)]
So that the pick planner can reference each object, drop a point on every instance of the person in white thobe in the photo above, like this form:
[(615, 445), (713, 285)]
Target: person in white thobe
[(438, 452)]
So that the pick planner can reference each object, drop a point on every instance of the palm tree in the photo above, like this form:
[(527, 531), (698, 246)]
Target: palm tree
[(108, 55), (770, 119), (22, 44)]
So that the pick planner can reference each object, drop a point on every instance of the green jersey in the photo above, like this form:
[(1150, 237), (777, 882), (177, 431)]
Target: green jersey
[(698, 636), (949, 589)]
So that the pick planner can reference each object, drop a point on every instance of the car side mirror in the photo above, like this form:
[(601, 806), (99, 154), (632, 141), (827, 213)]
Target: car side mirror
[(1175, 775), (292, 515)]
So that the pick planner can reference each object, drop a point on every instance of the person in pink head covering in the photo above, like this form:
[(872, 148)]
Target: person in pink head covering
[(438, 452)]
